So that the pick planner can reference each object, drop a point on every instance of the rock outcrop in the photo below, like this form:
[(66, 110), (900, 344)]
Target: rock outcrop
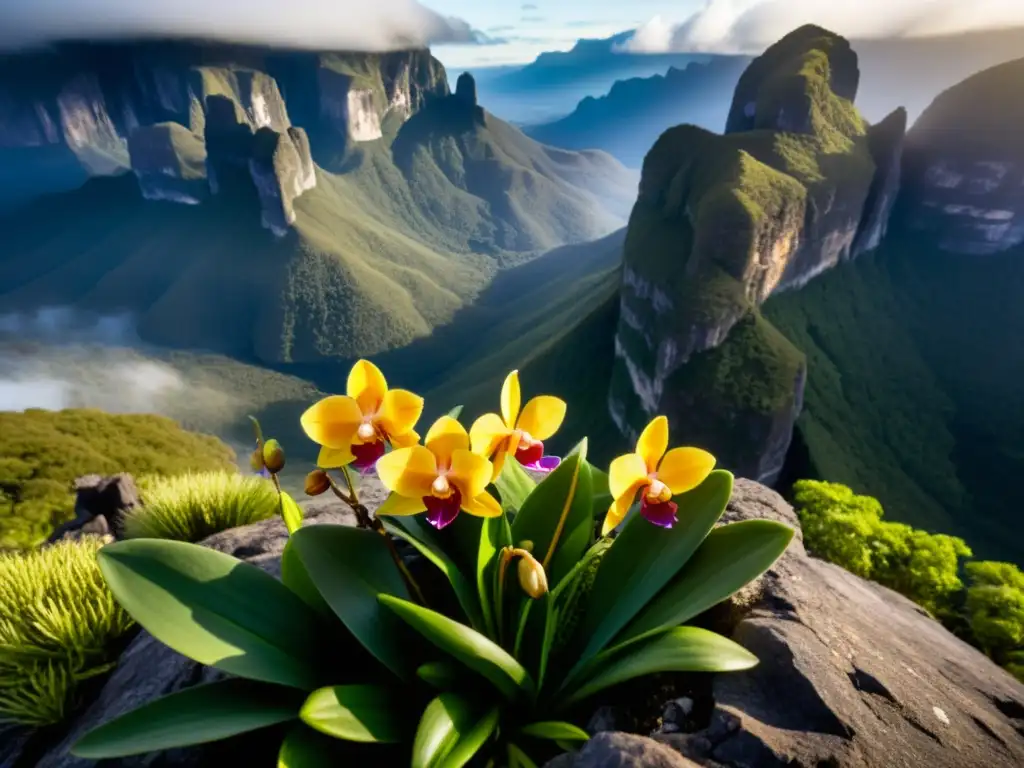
[(100, 506), (964, 165), (170, 163), (851, 675), (885, 141), (281, 169), (465, 88), (722, 222)]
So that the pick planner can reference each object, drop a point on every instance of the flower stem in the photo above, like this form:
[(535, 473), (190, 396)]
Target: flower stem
[(506, 558), (351, 487)]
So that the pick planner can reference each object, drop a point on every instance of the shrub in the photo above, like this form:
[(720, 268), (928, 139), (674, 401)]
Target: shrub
[(44, 451), (59, 626), (192, 506), (995, 612), (847, 529)]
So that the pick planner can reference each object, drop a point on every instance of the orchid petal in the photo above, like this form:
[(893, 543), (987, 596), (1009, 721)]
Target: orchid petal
[(332, 422), (653, 443), (399, 411), (470, 472), (511, 397), (487, 434), (542, 416), (445, 437), (404, 440), (626, 475), (332, 458), (616, 514), (396, 504), (483, 505), (408, 471), (683, 469), (442, 512), (498, 461), (367, 385), (663, 515)]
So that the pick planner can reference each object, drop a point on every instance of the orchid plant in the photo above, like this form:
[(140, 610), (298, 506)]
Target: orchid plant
[(541, 604)]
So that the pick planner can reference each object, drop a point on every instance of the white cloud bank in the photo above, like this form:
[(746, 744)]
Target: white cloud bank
[(748, 26), (355, 25)]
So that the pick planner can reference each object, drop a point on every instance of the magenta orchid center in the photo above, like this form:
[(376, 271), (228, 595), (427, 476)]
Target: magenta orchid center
[(657, 507), (529, 451), (443, 503)]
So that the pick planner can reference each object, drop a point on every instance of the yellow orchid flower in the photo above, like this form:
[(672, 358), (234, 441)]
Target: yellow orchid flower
[(658, 474), (354, 428), (519, 433), (440, 477)]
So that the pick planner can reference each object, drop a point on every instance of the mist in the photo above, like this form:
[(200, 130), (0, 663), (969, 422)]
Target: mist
[(748, 26), (340, 24)]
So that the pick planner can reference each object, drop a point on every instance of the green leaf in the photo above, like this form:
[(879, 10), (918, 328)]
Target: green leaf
[(495, 535), (730, 558), (455, 412), (443, 675), (514, 485), (291, 512), (195, 715), (471, 740), (602, 495), (259, 431), (466, 645), (465, 590), (367, 713), (555, 730), (644, 558), (305, 748), (680, 649), (517, 758), (446, 722), (558, 516), (350, 568), (295, 577), (216, 609)]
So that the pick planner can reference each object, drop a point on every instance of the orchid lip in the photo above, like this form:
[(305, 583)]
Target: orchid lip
[(441, 512), (662, 514), (544, 464)]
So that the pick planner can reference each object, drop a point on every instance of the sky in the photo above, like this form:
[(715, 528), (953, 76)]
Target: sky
[(493, 32)]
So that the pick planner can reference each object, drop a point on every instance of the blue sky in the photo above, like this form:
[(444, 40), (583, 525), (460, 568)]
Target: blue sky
[(546, 25)]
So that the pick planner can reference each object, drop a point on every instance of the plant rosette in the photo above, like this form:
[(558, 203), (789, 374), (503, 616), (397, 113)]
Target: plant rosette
[(541, 604)]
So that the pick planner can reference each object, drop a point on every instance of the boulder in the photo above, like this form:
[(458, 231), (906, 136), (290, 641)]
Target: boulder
[(100, 506), (622, 750), (851, 675)]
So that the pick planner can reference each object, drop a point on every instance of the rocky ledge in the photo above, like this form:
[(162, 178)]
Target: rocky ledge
[(852, 675)]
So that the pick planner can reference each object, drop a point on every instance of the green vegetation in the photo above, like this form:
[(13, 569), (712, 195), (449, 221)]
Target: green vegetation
[(847, 529), (192, 506), (346, 646), (44, 451), (59, 627)]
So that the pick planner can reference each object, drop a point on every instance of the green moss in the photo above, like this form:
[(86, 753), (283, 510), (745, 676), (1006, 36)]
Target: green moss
[(59, 627), (44, 451)]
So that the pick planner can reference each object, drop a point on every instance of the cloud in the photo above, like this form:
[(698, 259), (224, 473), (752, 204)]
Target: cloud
[(533, 19), (529, 6), (748, 26), (341, 24)]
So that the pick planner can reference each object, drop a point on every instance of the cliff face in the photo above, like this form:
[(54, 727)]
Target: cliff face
[(796, 185), (964, 166), (75, 112)]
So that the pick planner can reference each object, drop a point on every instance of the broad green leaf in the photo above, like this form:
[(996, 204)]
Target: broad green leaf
[(216, 609), (644, 558), (351, 567), (495, 534), (555, 730), (464, 589), (368, 713), (517, 758), (455, 412), (680, 649), (446, 719), (195, 715), (602, 496), (291, 512), (557, 517), (730, 558), (443, 675), (514, 485), (466, 645), (295, 577), (304, 747), (472, 739)]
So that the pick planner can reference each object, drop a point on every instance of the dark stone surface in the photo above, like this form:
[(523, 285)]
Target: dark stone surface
[(465, 88), (886, 143), (622, 750), (100, 506)]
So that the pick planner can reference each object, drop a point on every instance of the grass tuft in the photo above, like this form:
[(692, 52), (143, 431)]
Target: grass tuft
[(192, 506), (59, 626)]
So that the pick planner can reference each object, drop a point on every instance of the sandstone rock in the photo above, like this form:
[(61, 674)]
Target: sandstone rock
[(886, 143), (850, 674), (170, 163), (964, 165), (465, 88), (100, 506), (281, 175), (622, 750)]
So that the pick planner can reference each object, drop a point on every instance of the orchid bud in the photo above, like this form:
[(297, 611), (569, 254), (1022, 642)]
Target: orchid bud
[(273, 456), (532, 578), (526, 544), (317, 482), (256, 461)]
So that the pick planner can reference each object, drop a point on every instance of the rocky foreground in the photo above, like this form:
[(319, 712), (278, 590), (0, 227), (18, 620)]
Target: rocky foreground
[(851, 675)]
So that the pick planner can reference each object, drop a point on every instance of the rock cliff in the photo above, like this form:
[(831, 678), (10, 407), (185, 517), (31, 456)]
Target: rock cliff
[(795, 185), (169, 162), (964, 165)]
